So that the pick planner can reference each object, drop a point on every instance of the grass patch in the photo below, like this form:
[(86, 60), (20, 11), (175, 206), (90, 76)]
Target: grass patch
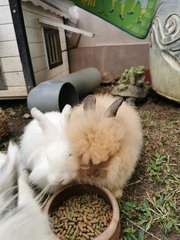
[(157, 208)]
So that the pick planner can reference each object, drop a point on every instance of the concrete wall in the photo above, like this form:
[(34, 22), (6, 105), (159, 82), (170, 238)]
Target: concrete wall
[(111, 50)]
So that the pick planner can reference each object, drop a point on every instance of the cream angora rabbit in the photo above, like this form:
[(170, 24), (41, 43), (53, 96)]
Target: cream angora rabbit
[(20, 215), (45, 152), (106, 139)]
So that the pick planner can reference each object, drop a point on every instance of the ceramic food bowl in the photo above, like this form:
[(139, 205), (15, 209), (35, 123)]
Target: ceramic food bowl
[(93, 213)]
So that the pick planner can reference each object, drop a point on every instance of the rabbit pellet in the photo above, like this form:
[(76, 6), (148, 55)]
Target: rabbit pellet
[(81, 217)]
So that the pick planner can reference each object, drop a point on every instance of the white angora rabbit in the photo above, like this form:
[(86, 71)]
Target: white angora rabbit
[(21, 217), (45, 152), (106, 138)]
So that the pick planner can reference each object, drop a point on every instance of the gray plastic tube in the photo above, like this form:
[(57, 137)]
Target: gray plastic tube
[(84, 80), (53, 95)]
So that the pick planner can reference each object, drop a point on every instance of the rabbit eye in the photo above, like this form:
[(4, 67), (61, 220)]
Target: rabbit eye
[(70, 155)]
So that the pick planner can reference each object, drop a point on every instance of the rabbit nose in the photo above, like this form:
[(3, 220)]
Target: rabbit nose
[(93, 173), (96, 173)]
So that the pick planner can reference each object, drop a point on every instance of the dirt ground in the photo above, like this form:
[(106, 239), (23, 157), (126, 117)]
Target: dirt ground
[(149, 208)]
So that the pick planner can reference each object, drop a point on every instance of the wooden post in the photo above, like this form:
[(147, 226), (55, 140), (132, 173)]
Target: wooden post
[(19, 26)]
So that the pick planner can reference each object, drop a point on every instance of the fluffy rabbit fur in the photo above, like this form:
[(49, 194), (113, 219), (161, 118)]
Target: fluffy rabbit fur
[(106, 139), (20, 215), (2, 158), (45, 150)]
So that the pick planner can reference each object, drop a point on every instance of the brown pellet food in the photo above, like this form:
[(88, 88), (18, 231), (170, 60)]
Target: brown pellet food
[(81, 217)]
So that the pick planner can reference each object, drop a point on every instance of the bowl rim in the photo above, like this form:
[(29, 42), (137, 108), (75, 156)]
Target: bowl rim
[(115, 221)]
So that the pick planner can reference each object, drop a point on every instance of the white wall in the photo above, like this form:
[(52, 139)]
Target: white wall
[(9, 56), (35, 36)]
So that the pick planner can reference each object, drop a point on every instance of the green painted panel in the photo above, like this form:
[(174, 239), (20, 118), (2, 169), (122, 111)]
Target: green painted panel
[(133, 16)]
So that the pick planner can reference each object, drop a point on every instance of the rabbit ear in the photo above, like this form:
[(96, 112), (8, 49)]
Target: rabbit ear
[(47, 127), (67, 111), (89, 103), (38, 115), (9, 177), (113, 108)]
